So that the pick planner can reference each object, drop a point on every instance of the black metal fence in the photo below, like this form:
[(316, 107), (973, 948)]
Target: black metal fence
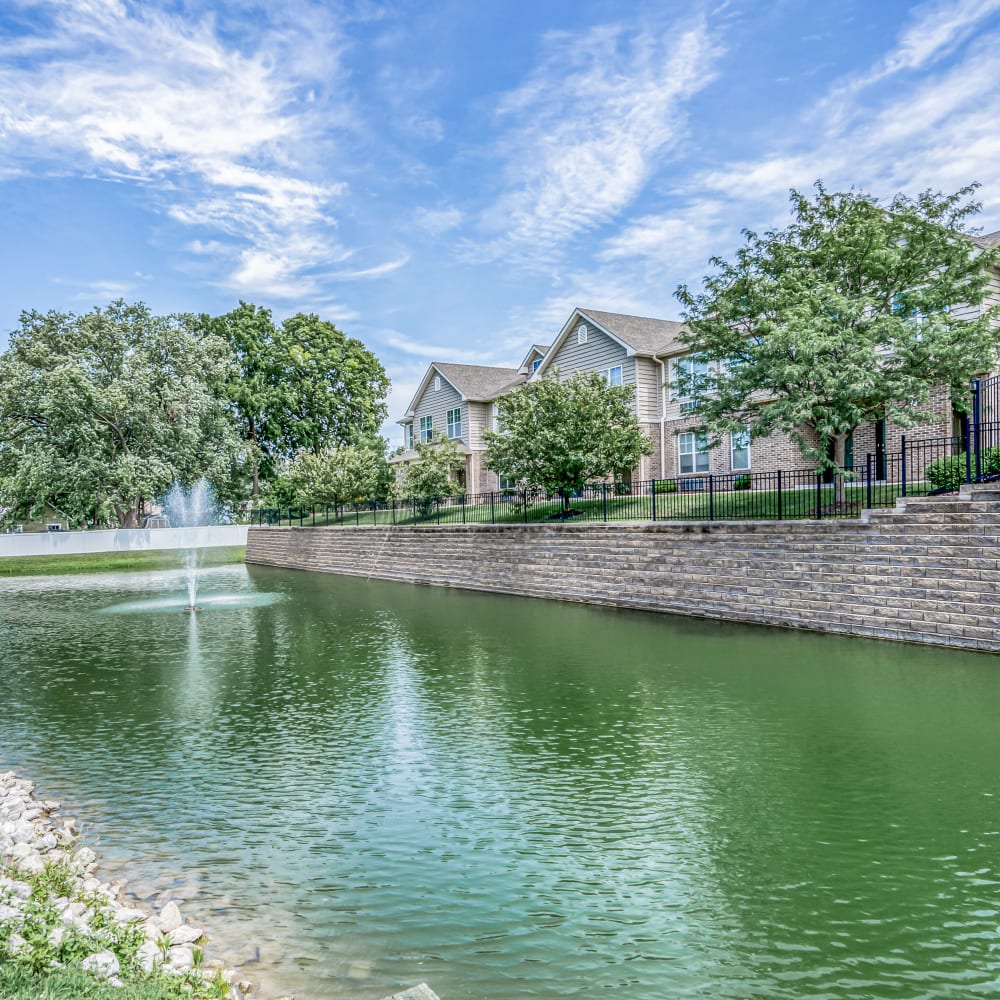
[(918, 467)]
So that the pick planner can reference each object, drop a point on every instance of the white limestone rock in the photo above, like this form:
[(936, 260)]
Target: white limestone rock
[(186, 934), (170, 918), (103, 965)]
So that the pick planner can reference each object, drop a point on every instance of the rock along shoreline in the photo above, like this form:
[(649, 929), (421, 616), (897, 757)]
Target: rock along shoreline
[(53, 907)]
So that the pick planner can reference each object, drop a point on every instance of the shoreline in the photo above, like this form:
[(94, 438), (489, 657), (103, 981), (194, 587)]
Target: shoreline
[(44, 868)]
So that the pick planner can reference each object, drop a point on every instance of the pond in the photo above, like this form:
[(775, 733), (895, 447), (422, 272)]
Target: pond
[(359, 785)]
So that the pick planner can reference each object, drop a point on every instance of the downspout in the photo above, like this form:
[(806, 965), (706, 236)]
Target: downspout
[(663, 415)]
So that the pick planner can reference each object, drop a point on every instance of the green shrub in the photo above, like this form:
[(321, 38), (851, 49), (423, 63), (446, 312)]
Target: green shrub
[(665, 486), (949, 473), (742, 482)]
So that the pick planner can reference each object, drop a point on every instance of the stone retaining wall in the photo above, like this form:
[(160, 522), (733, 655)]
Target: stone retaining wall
[(927, 571)]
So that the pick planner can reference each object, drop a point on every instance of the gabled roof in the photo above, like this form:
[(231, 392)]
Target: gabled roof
[(478, 383), (637, 334), (525, 365), (988, 240), (641, 333)]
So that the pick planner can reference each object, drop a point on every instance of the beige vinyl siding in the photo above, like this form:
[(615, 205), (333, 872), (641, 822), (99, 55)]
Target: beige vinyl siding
[(479, 420), (600, 352), (648, 388), (436, 404)]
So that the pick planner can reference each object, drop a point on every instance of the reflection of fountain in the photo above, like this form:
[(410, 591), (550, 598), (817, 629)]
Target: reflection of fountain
[(190, 508)]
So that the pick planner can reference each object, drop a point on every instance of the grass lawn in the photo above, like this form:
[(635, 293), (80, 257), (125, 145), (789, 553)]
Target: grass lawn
[(731, 505), (20, 983), (102, 562)]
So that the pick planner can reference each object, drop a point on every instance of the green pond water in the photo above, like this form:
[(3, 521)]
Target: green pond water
[(360, 785)]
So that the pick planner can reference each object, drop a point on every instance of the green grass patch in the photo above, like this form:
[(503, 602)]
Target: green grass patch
[(105, 562), (721, 505), (17, 982)]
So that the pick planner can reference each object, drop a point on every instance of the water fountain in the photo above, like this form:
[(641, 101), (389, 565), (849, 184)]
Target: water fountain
[(193, 507)]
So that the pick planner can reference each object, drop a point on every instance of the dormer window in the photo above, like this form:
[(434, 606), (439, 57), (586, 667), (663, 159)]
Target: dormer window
[(535, 364), (437, 383), (581, 333)]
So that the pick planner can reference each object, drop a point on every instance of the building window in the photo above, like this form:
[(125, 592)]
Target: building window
[(535, 364), (692, 450), (437, 382), (408, 436), (613, 375), (581, 333), (740, 441), (455, 422), (506, 483), (426, 428), (688, 375)]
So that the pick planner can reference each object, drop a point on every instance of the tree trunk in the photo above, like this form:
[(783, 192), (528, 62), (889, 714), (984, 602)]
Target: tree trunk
[(839, 458)]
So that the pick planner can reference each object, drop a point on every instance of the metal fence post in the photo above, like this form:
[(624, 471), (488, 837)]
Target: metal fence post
[(525, 495), (437, 504), (711, 497), (652, 499), (463, 508), (493, 509), (604, 501), (779, 494), (902, 462), (819, 496), (868, 480), (967, 447), (977, 419)]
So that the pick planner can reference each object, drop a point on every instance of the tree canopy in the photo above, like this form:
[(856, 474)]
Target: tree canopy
[(340, 475), (855, 312), (102, 411), (298, 386), (559, 433), (431, 474)]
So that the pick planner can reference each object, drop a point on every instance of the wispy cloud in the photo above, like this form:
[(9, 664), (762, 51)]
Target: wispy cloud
[(588, 128), (132, 93)]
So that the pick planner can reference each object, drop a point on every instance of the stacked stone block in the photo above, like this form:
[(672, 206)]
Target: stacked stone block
[(927, 571)]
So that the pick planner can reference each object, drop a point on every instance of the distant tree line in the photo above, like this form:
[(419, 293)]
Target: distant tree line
[(101, 412)]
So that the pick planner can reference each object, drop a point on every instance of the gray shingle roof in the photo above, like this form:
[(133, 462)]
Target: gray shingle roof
[(480, 382), (988, 240), (643, 334)]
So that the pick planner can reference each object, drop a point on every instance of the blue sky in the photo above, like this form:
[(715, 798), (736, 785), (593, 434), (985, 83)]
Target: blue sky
[(446, 180)]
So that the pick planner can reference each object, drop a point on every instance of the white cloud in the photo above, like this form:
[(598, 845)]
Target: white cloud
[(589, 127), (208, 127), (378, 271), (438, 220)]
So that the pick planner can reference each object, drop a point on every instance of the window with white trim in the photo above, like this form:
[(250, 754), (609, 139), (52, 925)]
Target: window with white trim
[(455, 422), (506, 483), (581, 333), (408, 436), (437, 382), (535, 364), (613, 375), (426, 428), (692, 452), (686, 374), (740, 448)]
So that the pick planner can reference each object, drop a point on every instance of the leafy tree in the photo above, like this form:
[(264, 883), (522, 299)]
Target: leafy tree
[(560, 433), (338, 475), (430, 475), (333, 387), (101, 412), (300, 386), (252, 384), (846, 316)]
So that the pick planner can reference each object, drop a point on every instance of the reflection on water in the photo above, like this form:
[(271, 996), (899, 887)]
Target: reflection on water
[(375, 784)]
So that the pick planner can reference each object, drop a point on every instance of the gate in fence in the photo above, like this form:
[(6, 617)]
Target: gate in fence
[(985, 429)]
